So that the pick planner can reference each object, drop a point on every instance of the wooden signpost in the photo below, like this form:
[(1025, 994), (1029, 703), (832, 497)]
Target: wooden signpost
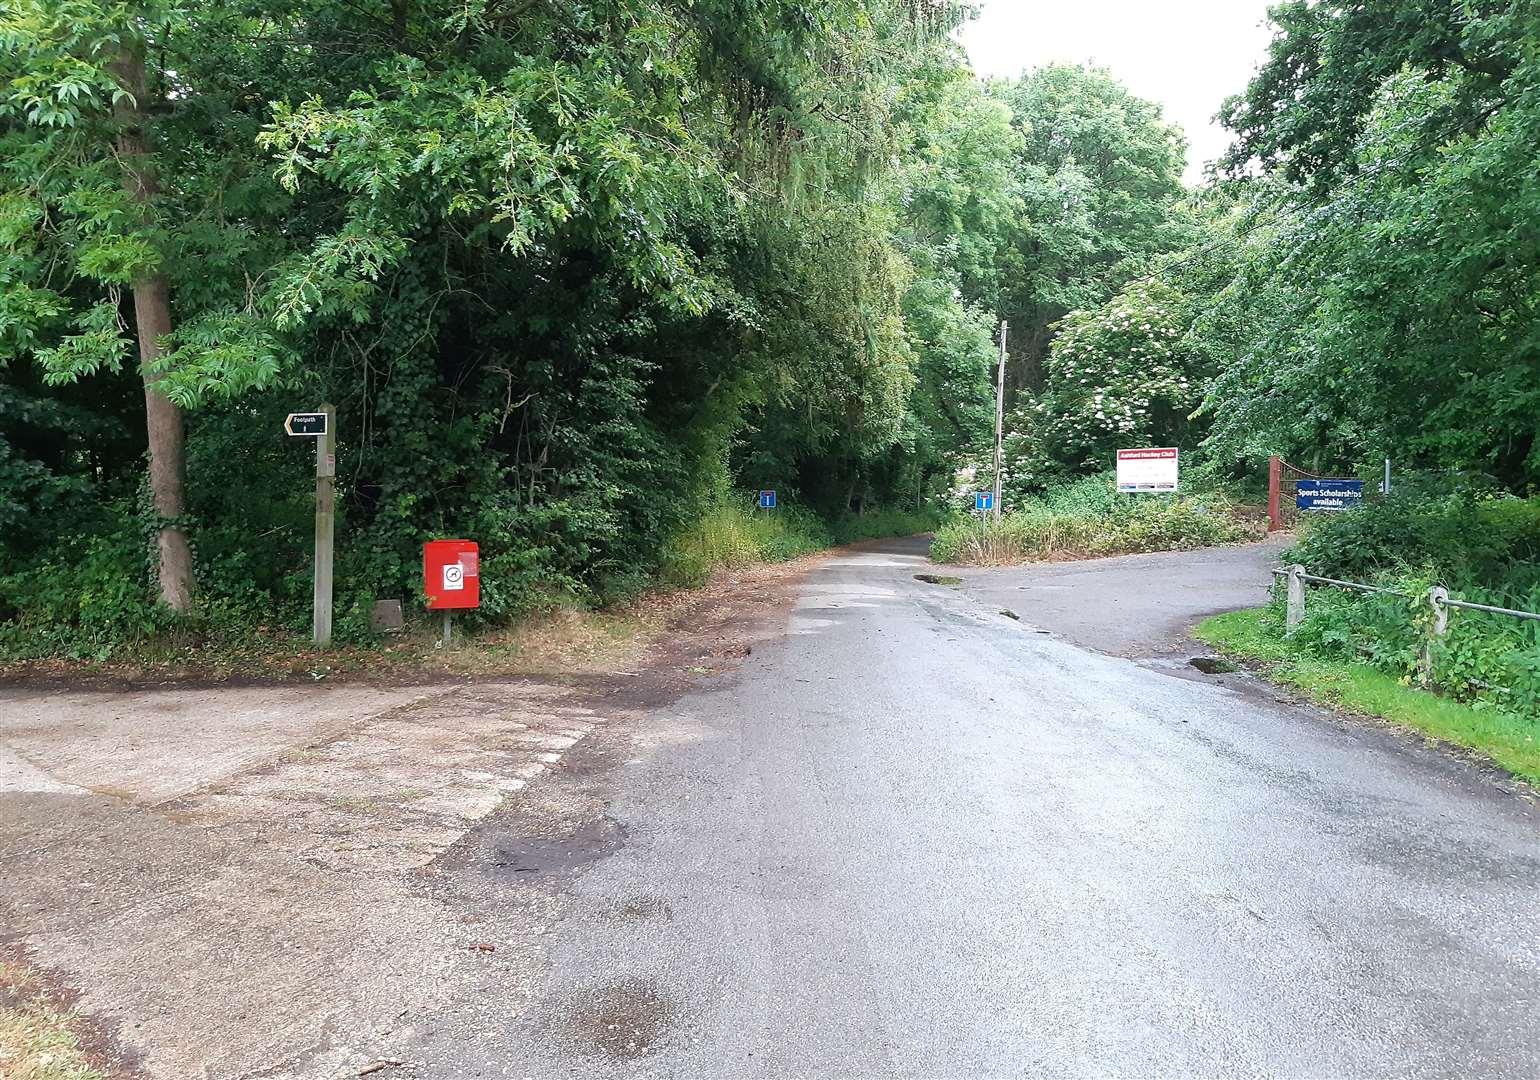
[(321, 426)]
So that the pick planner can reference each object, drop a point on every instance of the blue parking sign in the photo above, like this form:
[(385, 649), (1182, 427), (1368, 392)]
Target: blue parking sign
[(984, 500), (767, 500)]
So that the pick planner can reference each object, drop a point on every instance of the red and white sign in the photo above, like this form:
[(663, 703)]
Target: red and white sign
[(451, 574), (1148, 469)]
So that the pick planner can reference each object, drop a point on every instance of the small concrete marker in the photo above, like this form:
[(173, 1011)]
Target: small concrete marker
[(385, 617)]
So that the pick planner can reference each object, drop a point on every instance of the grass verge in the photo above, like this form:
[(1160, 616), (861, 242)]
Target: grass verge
[(38, 1040), (1508, 740), (728, 547)]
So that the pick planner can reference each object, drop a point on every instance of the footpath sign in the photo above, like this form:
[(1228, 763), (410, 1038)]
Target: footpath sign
[(306, 423), (1328, 494), (983, 500), (1148, 469)]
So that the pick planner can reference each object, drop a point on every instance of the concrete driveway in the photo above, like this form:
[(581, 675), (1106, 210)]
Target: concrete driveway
[(235, 878)]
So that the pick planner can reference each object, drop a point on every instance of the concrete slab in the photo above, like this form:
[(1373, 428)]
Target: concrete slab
[(237, 879), (154, 745)]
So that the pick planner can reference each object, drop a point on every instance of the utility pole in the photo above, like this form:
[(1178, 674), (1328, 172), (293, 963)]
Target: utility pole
[(1000, 418), (325, 524)]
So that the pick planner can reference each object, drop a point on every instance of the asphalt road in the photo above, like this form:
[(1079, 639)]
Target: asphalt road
[(914, 837), (1133, 605)]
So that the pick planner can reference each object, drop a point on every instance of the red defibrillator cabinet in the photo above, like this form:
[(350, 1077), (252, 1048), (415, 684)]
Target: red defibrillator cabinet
[(451, 574)]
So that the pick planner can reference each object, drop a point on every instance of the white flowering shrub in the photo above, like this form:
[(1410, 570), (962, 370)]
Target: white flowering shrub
[(1119, 375)]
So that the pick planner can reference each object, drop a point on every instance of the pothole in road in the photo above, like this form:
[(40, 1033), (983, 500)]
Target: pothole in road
[(622, 1021), (538, 855), (1213, 665), (938, 579)]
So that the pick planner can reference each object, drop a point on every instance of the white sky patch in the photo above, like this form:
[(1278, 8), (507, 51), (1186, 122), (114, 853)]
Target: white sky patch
[(1188, 55)]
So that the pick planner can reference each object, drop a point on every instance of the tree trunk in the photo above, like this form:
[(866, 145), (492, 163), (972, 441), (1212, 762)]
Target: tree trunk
[(152, 320)]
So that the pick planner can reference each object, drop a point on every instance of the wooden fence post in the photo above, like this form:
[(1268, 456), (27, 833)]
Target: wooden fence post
[(325, 524), (1439, 627), (1274, 483), (1296, 608)]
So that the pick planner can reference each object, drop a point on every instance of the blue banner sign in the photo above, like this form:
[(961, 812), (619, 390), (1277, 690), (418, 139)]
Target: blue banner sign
[(1329, 494), (983, 500)]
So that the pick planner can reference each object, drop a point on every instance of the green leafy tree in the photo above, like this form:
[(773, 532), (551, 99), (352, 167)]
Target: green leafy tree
[(1306, 111), (561, 267), (79, 225), (1389, 296), (1099, 172), (960, 210)]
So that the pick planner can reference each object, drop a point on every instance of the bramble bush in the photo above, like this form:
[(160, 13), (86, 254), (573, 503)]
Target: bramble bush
[(90, 594), (1474, 536)]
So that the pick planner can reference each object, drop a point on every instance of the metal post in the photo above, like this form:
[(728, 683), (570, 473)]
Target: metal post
[(1000, 419), (1385, 490), (1440, 626), (1296, 607), (445, 642), (325, 523)]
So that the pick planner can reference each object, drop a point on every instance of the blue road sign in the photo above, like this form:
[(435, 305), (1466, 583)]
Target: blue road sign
[(983, 500), (767, 500), (1329, 494)]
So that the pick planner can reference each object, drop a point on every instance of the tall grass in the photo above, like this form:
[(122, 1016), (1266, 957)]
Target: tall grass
[(731, 535), (879, 524), (1088, 518)]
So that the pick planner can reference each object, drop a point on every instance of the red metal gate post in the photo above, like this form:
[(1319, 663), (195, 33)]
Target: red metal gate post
[(1274, 482)]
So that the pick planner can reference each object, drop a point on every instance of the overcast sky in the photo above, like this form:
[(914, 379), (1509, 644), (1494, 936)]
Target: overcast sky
[(1188, 55)]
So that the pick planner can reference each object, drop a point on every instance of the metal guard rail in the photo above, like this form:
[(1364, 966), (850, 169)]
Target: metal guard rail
[(1281, 572), (1488, 607), (1443, 599), (1437, 599)]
